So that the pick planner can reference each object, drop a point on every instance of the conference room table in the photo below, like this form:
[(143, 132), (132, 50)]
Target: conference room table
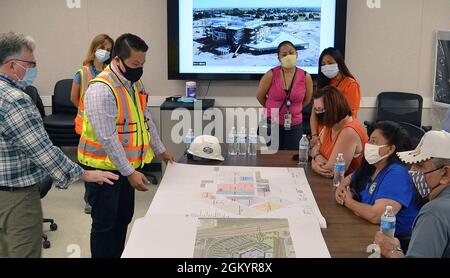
[(346, 235)]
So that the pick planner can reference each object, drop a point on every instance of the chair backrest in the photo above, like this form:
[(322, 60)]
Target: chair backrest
[(61, 103), (307, 110), (400, 107), (416, 133), (45, 185), (34, 95)]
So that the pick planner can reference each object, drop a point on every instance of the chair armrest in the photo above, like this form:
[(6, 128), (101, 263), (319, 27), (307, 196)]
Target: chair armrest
[(427, 128)]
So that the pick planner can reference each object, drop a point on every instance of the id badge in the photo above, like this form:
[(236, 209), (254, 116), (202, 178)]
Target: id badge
[(287, 121)]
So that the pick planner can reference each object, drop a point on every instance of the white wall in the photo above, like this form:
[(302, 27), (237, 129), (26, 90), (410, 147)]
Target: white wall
[(390, 48)]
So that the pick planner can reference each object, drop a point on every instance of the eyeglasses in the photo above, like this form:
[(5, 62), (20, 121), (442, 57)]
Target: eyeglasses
[(32, 63)]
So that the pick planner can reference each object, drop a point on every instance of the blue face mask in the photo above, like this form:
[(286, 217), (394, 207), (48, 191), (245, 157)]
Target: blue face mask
[(29, 77)]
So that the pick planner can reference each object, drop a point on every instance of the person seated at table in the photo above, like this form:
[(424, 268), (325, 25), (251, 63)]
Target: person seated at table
[(341, 133), (383, 180), (430, 172), (333, 71)]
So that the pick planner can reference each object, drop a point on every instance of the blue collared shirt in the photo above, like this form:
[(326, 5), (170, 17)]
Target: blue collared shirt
[(393, 182)]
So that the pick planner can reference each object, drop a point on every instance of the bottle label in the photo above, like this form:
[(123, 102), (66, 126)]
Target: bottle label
[(252, 139), (191, 92), (339, 167), (387, 225), (304, 147), (241, 139), (231, 139), (188, 139)]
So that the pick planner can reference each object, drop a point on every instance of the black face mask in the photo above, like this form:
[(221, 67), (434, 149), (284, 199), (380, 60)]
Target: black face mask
[(320, 117), (131, 74)]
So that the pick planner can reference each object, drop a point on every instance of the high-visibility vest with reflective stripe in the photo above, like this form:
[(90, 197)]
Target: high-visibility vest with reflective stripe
[(86, 77), (131, 126)]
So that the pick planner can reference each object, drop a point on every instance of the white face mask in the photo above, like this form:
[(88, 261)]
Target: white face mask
[(372, 153), (289, 61), (330, 71), (102, 55)]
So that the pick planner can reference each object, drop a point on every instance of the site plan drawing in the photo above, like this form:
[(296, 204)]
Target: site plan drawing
[(243, 193), (236, 192), (243, 238), (230, 211)]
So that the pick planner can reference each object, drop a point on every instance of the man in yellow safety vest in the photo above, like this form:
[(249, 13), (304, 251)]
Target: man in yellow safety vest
[(120, 136)]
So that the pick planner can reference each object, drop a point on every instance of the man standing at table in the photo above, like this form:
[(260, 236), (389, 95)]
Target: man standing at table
[(26, 153), (118, 135)]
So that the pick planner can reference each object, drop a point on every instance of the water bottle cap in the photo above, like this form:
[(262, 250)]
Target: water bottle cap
[(191, 83)]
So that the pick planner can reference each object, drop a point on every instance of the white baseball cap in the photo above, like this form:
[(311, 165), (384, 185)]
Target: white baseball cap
[(206, 146), (434, 144)]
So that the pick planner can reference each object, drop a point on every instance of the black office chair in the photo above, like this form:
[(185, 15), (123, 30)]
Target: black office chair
[(46, 184), (44, 187), (60, 126), (416, 133), (32, 92), (148, 171), (398, 107)]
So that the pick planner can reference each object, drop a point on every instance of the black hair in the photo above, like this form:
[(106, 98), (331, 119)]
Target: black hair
[(335, 104), (395, 135), (127, 42), (322, 80), (285, 43)]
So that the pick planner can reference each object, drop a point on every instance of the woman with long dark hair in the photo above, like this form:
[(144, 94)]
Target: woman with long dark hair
[(383, 180), (334, 72)]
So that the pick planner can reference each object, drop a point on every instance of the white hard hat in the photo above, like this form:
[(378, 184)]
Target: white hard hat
[(206, 146), (434, 144)]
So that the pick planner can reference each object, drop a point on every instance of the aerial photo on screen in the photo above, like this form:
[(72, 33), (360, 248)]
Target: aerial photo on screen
[(442, 82), (250, 35)]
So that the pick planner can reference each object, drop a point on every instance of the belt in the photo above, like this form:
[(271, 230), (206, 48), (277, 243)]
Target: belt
[(13, 189)]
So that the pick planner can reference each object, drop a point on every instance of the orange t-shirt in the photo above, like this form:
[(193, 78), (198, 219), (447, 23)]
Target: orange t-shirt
[(327, 143), (351, 91)]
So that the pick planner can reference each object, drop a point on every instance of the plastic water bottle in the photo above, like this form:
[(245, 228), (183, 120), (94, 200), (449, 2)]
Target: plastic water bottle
[(303, 150), (339, 170), (188, 141), (252, 142), (387, 224), (242, 142), (189, 138), (231, 142)]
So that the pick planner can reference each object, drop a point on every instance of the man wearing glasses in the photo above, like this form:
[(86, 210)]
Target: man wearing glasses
[(26, 153)]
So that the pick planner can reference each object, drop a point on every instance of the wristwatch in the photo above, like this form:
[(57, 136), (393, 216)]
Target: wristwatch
[(396, 249)]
